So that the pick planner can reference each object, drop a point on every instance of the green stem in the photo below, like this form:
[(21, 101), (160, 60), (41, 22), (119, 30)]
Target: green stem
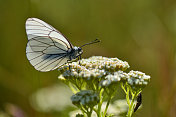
[(100, 104), (89, 113), (107, 106), (72, 88), (131, 106), (128, 96), (123, 88), (83, 111)]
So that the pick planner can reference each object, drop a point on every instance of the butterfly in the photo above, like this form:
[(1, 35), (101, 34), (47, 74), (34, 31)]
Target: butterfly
[(47, 49)]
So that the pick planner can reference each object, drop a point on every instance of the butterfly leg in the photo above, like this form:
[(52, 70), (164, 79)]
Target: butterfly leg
[(69, 68), (68, 61), (79, 58)]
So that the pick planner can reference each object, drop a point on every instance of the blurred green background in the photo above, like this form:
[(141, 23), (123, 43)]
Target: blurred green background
[(141, 32)]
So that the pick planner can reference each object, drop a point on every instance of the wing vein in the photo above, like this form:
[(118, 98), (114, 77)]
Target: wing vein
[(48, 44), (35, 57), (52, 62), (58, 63), (39, 26), (43, 24), (43, 60)]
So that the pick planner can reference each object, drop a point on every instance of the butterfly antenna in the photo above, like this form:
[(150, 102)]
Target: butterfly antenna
[(92, 42)]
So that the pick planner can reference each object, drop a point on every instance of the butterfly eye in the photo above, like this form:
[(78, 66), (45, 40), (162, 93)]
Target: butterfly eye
[(79, 49)]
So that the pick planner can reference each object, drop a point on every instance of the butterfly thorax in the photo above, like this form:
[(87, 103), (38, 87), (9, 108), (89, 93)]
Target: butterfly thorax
[(75, 52)]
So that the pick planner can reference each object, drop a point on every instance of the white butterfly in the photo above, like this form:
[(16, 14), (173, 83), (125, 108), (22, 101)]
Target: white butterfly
[(47, 48)]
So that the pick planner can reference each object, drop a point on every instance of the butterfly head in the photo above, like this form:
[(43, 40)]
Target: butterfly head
[(78, 51), (75, 52)]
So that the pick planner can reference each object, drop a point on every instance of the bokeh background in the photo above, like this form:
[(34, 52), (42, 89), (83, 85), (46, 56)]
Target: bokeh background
[(141, 32)]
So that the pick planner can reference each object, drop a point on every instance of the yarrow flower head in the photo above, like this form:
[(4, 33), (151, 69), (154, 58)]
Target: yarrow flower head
[(103, 71), (138, 79), (97, 69), (96, 66), (85, 98), (133, 78), (116, 77)]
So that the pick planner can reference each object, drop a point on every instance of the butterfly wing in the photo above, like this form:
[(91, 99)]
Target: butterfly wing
[(47, 48)]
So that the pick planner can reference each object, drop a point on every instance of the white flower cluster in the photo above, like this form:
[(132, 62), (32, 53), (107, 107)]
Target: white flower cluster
[(96, 66), (108, 70), (114, 78), (138, 78), (133, 78), (83, 72), (99, 62), (85, 98)]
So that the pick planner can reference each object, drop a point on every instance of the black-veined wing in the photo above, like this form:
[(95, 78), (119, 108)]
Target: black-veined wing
[(47, 48)]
